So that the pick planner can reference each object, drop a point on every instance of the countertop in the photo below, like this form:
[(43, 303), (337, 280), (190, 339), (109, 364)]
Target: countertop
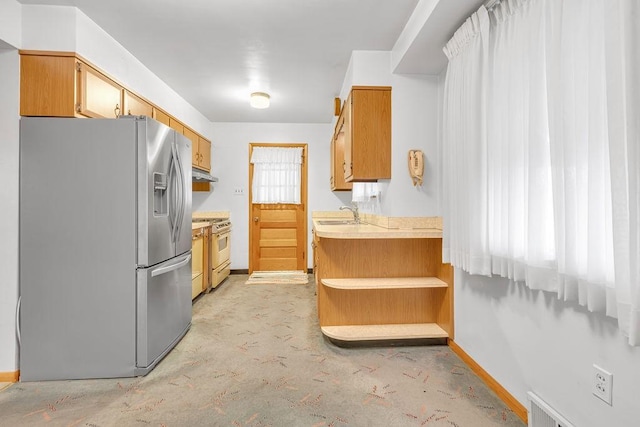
[(204, 215), (377, 227), (199, 224)]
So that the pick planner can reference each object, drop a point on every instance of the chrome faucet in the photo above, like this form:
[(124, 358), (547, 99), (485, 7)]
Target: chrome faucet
[(353, 208)]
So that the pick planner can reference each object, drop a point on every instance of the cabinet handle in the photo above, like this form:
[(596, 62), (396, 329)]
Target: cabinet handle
[(256, 219), (116, 110), (129, 113)]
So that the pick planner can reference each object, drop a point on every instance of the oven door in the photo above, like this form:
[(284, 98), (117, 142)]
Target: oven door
[(220, 250)]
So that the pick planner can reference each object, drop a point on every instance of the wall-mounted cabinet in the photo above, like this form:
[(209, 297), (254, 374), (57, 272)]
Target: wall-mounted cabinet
[(65, 86), (161, 116), (367, 134), (201, 151), (338, 163), (62, 84), (136, 106), (97, 95)]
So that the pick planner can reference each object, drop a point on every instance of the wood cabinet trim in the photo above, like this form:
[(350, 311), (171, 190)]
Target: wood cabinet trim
[(388, 88)]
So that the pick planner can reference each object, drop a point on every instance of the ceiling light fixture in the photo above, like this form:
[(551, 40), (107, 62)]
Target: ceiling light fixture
[(259, 100)]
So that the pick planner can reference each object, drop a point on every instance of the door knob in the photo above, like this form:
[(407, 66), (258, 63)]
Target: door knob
[(256, 219)]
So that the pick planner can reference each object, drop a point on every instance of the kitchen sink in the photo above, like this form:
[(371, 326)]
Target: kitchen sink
[(337, 222)]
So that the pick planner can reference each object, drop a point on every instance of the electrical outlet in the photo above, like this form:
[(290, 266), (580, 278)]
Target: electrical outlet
[(602, 383), (238, 191)]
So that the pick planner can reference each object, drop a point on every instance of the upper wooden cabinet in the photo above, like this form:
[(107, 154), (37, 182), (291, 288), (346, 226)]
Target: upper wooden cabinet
[(204, 154), (64, 86), (200, 151), (98, 95), (175, 124), (367, 134), (338, 163), (136, 106), (160, 116)]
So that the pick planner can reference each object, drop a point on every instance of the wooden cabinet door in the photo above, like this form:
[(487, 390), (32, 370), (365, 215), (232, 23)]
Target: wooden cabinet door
[(193, 137), (98, 95), (161, 116), (136, 106), (204, 148), (347, 142), (47, 85), (174, 124), (369, 156), (338, 162), (197, 262)]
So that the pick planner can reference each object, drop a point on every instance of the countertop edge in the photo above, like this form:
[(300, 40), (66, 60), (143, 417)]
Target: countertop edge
[(370, 231)]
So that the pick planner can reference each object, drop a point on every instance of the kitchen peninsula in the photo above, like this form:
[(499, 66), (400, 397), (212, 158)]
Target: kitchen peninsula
[(381, 280)]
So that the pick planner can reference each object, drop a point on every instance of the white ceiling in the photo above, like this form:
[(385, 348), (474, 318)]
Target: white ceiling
[(215, 52)]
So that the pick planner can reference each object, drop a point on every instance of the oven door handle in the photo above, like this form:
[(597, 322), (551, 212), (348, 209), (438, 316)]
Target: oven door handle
[(221, 234)]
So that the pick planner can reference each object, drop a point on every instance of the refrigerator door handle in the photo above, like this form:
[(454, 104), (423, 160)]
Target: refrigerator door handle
[(168, 268), (173, 220), (18, 320), (181, 196), (175, 195)]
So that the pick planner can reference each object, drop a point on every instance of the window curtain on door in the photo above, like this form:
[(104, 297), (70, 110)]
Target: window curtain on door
[(276, 175), (541, 151)]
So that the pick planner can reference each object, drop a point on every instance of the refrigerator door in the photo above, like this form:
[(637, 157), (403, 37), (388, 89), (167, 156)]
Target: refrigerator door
[(183, 236), (157, 203), (163, 309), (77, 248)]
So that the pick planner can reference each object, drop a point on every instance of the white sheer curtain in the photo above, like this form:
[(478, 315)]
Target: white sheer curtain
[(622, 46), (465, 236), (541, 150), (276, 174)]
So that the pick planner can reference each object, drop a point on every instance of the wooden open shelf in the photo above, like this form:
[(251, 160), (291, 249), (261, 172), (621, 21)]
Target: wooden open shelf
[(385, 283), (384, 332), (394, 290)]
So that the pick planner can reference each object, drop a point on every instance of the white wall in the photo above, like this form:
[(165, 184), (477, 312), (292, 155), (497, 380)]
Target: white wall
[(414, 126), (230, 164), (10, 18), (530, 341), (9, 161)]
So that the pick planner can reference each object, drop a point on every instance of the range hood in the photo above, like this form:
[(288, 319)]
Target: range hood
[(199, 175)]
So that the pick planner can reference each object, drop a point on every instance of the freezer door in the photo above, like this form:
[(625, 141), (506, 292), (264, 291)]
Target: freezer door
[(183, 236), (158, 192), (163, 309)]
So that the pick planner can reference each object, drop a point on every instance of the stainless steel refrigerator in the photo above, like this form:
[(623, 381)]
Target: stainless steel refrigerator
[(105, 246)]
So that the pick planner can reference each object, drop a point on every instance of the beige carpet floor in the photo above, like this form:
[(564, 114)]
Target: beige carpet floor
[(283, 277), (254, 356)]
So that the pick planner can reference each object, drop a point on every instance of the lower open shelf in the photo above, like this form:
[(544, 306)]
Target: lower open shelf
[(408, 331)]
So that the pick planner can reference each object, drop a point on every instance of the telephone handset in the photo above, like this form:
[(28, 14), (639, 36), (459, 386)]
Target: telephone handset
[(416, 166)]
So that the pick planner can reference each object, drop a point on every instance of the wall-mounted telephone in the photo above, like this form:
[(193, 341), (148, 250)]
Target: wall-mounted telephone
[(416, 166)]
